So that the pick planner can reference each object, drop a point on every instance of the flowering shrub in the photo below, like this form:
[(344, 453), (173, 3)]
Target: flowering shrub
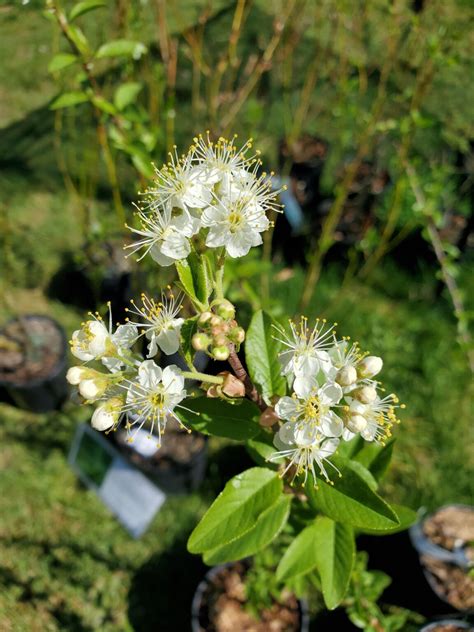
[(307, 403)]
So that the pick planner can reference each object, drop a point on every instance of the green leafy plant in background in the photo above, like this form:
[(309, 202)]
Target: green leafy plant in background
[(305, 401)]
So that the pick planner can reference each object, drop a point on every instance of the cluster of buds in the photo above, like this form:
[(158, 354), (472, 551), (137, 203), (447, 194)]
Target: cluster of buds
[(218, 331)]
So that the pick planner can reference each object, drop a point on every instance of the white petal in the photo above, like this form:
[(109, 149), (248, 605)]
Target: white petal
[(330, 393), (168, 341), (213, 215), (125, 335), (173, 381), (175, 245), (305, 364), (217, 236), (328, 448), (331, 425), (149, 374), (303, 386), (286, 433), (240, 243), (286, 408), (160, 258)]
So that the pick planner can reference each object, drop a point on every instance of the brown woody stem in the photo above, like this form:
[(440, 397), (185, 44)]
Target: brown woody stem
[(242, 375)]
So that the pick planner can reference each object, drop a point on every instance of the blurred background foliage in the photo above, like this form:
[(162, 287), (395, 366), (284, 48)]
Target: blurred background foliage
[(366, 106)]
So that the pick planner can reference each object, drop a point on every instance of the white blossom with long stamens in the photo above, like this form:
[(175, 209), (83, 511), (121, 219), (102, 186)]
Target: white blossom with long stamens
[(311, 406), (179, 184), (306, 350), (152, 397), (164, 236), (305, 449), (96, 341), (162, 324)]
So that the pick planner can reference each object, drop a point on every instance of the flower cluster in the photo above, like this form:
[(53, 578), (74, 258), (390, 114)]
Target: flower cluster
[(134, 388), (215, 192), (334, 397)]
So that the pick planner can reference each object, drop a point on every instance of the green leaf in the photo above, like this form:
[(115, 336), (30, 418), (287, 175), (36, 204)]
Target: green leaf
[(375, 457), (261, 448), (236, 510), (186, 277), (188, 330), (335, 555), (202, 276), (68, 99), (267, 526), (104, 105), (84, 7), (122, 48), (238, 421), (405, 515), (261, 355), (351, 500), (60, 61), (79, 39), (126, 94), (327, 546)]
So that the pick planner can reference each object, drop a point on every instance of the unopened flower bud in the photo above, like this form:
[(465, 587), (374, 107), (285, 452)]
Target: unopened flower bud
[(268, 418), (225, 309), (232, 386), (204, 318), (370, 366), (93, 388), (200, 342), (346, 376), (220, 340), (220, 353), (356, 423), (237, 335), (107, 415), (216, 321), (365, 394), (75, 374)]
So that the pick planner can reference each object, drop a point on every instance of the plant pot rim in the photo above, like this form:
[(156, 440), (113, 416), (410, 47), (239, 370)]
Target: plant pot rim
[(425, 546), (58, 367), (210, 574), (432, 626)]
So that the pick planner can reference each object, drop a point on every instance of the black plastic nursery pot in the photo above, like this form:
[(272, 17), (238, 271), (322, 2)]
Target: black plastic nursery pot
[(446, 568), (178, 467), (200, 619), (43, 388)]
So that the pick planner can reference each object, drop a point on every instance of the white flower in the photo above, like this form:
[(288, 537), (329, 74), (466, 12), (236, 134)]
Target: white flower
[(92, 389), (311, 407), (153, 396), (96, 341), (373, 421), (235, 224), (307, 350), (164, 235), (304, 447), (162, 326), (179, 184)]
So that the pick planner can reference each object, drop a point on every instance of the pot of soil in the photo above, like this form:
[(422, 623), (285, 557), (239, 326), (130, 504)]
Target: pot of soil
[(33, 363), (219, 605), (447, 626), (177, 467), (445, 544)]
